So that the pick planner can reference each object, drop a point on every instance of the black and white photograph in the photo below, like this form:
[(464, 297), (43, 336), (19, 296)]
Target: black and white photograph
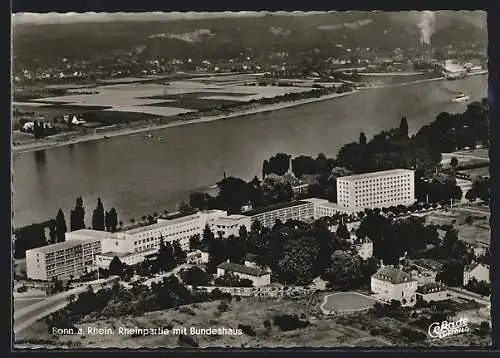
[(250, 179)]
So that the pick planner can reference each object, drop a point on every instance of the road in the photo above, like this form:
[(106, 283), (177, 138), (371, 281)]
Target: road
[(28, 315), (469, 295)]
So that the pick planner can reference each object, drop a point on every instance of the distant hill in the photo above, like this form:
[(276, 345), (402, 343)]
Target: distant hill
[(228, 37)]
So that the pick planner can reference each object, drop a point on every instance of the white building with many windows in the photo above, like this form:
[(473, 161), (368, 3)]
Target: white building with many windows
[(297, 210), (324, 208), (63, 260), (390, 283), (377, 189)]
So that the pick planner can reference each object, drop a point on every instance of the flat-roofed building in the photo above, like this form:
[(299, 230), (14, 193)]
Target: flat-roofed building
[(63, 260), (230, 225), (297, 210), (128, 258), (377, 189), (324, 208)]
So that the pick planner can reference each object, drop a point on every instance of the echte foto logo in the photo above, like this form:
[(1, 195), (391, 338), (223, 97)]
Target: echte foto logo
[(448, 328)]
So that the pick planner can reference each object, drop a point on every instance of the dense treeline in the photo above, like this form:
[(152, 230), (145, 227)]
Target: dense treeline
[(54, 231)]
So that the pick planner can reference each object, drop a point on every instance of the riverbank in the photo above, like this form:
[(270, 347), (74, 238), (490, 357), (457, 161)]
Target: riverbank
[(51, 143)]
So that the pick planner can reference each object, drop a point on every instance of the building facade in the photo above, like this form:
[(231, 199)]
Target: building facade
[(377, 189), (364, 248), (132, 258), (258, 277), (197, 257), (478, 271), (324, 208), (63, 260), (298, 210), (230, 225), (390, 283)]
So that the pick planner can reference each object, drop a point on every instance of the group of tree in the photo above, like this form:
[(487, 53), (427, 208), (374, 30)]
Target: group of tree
[(395, 149), (480, 190), (232, 280), (118, 301), (482, 288), (235, 193)]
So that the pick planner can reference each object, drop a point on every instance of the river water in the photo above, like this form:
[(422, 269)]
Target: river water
[(139, 176)]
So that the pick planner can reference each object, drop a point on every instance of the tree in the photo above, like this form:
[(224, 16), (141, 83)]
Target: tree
[(344, 270), (298, 260), (194, 276), (279, 164), (52, 232), (116, 267), (98, 217), (61, 227), (242, 232), (113, 220), (77, 218), (403, 127), (362, 138), (343, 231), (179, 254), (184, 208), (166, 258), (201, 201), (208, 235), (454, 162), (194, 242)]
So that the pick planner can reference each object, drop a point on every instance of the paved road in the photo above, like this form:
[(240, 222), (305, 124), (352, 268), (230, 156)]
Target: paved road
[(28, 315), (20, 303), (470, 295)]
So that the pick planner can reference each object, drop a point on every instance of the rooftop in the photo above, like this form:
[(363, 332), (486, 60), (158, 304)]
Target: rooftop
[(274, 207), (229, 266), (393, 275), (231, 219), (61, 246), (431, 287), (472, 267), (89, 233), (375, 174), (162, 223)]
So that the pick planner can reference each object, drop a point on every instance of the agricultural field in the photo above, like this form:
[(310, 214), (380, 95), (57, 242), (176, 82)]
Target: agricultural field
[(162, 98)]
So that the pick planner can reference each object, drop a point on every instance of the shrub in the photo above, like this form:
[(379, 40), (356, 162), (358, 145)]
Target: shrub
[(289, 323), (375, 332), (247, 329), (187, 341), (187, 310)]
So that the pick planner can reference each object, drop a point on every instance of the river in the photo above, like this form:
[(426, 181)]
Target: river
[(139, 176)]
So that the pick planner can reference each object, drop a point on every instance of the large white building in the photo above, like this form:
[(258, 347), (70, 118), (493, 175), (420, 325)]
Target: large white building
[(297, 210), (230, 225), (324, 208), (390, 283), (377, 189), (63, 260)]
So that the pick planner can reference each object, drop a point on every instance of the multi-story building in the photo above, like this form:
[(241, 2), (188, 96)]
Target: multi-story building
[(197, 257), (478, 271), (390, 283), (324, 208), (377, 189), (230, 225), (104, 259), (258, 277), (63, 260), (147, 238), (297, 210)]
